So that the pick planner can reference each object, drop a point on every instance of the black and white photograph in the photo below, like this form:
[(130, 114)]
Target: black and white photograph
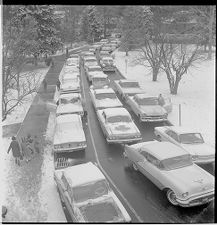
[(108, 113)]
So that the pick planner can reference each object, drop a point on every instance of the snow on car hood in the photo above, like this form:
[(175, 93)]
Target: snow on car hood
[(152, 110), (199, 149), (192, 179), (72, 85), (75, 134), (67, 108), (108, 102), (123, 128)]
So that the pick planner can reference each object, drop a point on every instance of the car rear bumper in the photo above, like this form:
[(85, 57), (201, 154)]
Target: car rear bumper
[(150, 119), (108, 68), (123, 141)]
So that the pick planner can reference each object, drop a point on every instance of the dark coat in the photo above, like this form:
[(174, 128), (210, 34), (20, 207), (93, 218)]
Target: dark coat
[(15, 147)]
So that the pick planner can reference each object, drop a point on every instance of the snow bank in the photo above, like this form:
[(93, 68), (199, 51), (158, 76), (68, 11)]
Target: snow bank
[(196, 92)]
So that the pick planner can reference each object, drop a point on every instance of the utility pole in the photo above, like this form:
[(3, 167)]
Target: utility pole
[(211, 20)]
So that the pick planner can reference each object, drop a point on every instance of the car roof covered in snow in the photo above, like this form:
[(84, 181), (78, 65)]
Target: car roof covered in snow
[(141, 96), (109, 112), (83, 174), (104, 90), (127, 81), (68, 118), (107, 58), (162, 150), (70, 95), (94, 66), (182, 130), (89, 57), (99, 74)]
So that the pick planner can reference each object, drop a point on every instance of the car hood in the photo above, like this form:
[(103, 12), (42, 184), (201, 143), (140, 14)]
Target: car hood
[(199, 149), (123, 128), (67, 108), (73, 135), (193, 179), (152, 110), (108, 102)]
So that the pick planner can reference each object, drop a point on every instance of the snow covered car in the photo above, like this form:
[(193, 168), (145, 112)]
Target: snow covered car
[(171, 169), (70, 85), (70, 103), (70, 69), (90, 61), (104, 98), (106, 48), (69, 75), (69, 134), (128, 87), (107, 64), (91, 70), (147, 108), (86, 193), (99, 80), (118, 126), (192, 141), (103, 54), (72, 62)]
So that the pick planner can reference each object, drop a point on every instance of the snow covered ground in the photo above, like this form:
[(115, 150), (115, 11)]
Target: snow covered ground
[(196, 92)]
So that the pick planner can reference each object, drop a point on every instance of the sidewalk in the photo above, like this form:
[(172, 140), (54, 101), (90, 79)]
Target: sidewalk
[(23, 183)]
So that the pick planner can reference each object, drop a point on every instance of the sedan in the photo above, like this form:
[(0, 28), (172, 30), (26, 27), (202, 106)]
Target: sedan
[(147, 108), (104, 98), (171, 169), (189, 140), (128, 87), (107, 64), (69, 134), (99, 80), (86, 194), (71, 85), (118, 126), (70, 103), (91, 70)]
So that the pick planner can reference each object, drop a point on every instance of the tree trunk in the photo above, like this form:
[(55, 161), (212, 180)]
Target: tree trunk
[(155, 71), (35, 60), (174, 89), (212, 8)]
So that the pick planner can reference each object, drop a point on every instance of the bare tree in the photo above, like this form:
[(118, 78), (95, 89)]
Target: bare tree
[(177, 60)]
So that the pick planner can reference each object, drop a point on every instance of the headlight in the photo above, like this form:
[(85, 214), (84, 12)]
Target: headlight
[(184, 195)]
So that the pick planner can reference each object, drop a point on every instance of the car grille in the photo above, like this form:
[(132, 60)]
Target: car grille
[(202, 199)]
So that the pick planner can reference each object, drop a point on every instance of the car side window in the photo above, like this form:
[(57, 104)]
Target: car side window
[(152, 159), (173, 135)]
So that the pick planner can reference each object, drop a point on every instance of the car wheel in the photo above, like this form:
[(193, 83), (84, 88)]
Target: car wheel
[(171, 197), (135, 167)]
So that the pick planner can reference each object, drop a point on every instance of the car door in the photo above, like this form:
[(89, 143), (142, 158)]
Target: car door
[(148, 167)]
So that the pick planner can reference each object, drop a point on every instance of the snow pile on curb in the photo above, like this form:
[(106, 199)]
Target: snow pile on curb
[(196, 92), (48, 195)]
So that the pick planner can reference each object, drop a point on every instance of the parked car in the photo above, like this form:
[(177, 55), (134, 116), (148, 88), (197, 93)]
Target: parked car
[(104, 98), (107, 64), (70, 85), (118, 126), (107, 48), (69, 75), (70, 103), (103, 54), (127, 87), (171, 169), (99, 80), (90, 61), (190, 140), (69, 134), (69, 69), (91, 70), (87, 195), (72, 62), (85, 54), (147, 108)]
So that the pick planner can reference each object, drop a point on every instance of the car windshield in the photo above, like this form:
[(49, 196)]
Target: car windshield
[(119, 118), (177, 162), (90, 191), (147, 101), (129, 84), (94, 69), (105, 95), (70, 100), (191, 138)]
